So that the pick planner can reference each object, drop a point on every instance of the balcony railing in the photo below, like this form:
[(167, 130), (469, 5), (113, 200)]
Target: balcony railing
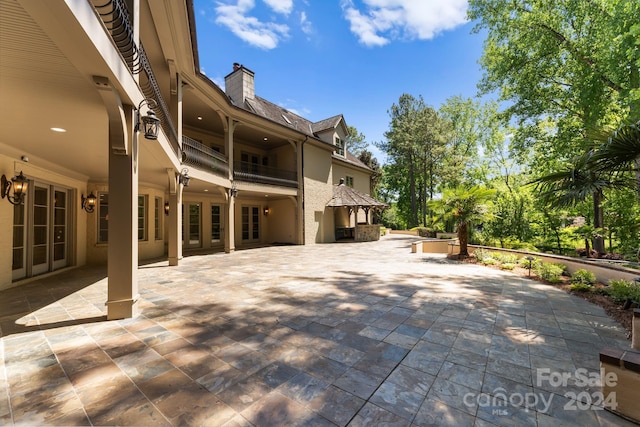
[(115, 17), (251, 172), (200, 156)]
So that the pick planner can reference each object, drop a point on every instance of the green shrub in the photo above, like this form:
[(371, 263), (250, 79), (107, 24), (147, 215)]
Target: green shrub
[(623, 290), (505, 257), (507, 266), (489, 261), (580, 287), (425, 232), (549, 271), (584, 277), (482, 254), (524, 262)]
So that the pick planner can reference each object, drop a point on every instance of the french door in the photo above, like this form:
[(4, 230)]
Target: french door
[(191, 225), (251, 223), (41, 231)]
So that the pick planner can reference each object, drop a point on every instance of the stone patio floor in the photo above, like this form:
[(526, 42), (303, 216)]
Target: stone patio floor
[(358, 334)]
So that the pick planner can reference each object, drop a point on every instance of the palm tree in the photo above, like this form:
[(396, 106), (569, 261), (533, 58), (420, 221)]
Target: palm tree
[(463, 205), (618, 151), (576, 184)]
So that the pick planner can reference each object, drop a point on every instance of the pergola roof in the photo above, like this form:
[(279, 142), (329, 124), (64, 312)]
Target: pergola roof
[(344, 196)]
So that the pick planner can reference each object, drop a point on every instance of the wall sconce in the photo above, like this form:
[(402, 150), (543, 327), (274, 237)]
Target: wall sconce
[(89, 202), (233, 191), (19, 184), (166, 208), (266, 210), (149, 122), (184, 177)]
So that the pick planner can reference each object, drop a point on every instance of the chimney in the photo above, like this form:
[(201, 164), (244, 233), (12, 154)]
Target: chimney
[(239, 84)]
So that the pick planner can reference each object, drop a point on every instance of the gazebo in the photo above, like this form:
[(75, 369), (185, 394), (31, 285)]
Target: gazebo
[(347, 201)]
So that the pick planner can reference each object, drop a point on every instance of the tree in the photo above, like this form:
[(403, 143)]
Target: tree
[(356, 142), (464, 206)]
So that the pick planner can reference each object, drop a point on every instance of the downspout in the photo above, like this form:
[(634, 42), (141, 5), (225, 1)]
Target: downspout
[(301, 184)]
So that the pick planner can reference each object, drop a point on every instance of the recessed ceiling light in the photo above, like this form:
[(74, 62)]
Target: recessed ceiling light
[(266, 139), (58, 130), (205, 190), (199, 117)]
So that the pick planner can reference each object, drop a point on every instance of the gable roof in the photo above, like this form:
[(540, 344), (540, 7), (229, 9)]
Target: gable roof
[(344, 196)]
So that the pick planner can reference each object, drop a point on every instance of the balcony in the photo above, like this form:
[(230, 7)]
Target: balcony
[(258, 174), (201, 157)]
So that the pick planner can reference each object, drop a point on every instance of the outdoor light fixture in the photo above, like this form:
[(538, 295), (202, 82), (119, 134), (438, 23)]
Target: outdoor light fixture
[(166, 208), (266, 210), (89, 202), (184, 177), (19, 184), (530, 259), (149, 122), (233, 191)]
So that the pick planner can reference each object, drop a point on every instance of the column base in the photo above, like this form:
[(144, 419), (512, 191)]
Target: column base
[(122, 309), (173, 261)]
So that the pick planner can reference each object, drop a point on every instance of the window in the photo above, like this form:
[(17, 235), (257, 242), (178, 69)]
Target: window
[(142, 217), (216, 230), (339, 146), (349, 181), (157, 225), (103, 217)]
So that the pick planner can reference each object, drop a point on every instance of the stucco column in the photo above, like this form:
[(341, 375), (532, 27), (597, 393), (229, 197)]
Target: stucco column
[(230, 229), (174, 226), (122, 294), (300, 204), (230, 240)]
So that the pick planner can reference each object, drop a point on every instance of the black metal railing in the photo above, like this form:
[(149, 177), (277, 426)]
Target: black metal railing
[(115, 17), (200, 156), (251, 172)]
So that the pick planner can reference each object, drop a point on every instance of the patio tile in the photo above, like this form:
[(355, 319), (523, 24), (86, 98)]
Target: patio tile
[(435, 413), (336, 405), (303, 343)]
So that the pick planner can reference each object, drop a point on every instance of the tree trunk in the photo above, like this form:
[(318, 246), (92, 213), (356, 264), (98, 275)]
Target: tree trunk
[(598, 220), (412, 190), (463, 237)]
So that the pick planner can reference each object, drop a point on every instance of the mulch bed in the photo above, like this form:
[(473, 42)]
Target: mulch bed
[(613, 310)]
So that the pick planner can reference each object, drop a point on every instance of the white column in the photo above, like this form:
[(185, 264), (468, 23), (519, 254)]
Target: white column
[(122, 294), (174, 226), (230, 239)]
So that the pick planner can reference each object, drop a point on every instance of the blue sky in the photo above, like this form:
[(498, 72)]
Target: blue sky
[(356, 58)]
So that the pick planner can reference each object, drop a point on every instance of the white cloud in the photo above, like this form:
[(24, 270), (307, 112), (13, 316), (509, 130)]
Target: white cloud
[(305, 24), (280, 6), (377, 22), (265, 35)]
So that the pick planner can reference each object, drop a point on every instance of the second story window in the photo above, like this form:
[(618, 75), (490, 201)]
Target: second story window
[(349, 181), (339, 146)]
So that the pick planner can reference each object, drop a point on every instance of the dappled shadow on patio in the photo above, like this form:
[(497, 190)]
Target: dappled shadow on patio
[(320, 335)]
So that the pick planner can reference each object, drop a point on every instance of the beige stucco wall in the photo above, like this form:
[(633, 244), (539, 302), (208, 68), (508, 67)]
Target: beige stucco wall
[(281, 222), (318, 219), (147, 249)]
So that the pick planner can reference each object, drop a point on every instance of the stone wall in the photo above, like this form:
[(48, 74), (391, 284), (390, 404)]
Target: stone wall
[(367, 233)]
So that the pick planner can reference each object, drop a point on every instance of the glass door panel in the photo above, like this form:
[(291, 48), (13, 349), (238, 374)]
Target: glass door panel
[(59, 228), (40, 237), (19, 263)]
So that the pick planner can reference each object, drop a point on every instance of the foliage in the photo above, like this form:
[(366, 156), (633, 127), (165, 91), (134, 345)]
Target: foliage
[(507, 266), (580, 287), (489, 261), (356, 141), (623, 290), (584, 277), (425, 232), (505, 257), (549, 271), (482, 254), (463, 206)]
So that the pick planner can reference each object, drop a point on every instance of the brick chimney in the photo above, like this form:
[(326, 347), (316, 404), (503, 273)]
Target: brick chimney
[(239, 84)]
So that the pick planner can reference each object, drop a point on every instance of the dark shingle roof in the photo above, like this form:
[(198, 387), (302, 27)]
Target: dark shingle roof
[(347, 196)]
